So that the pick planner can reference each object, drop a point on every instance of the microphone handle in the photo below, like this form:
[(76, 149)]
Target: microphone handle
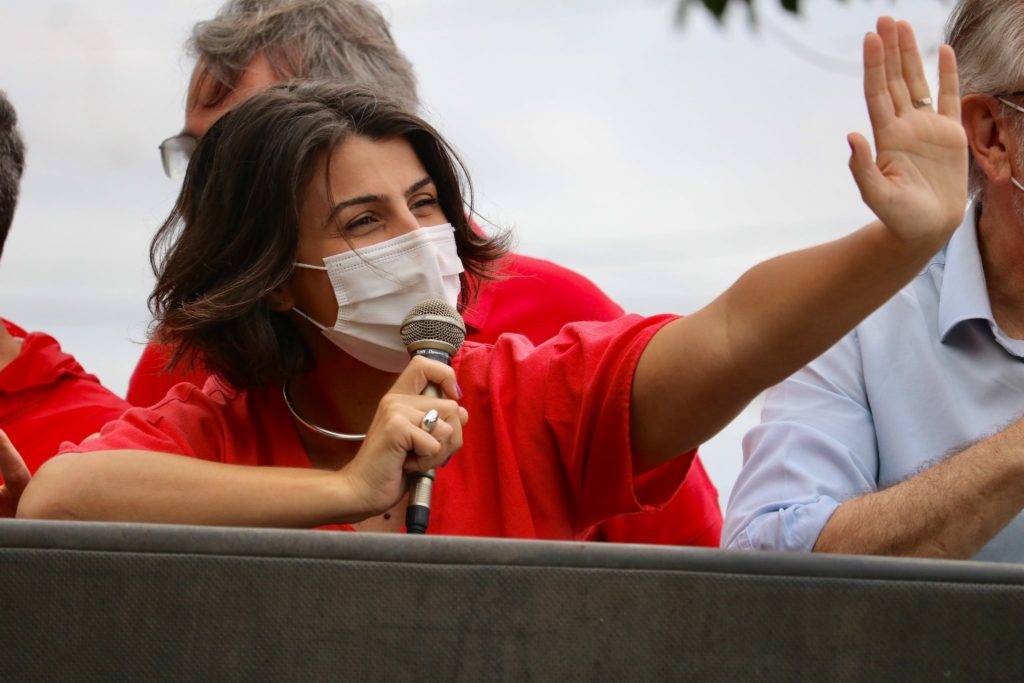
[(417, 514)]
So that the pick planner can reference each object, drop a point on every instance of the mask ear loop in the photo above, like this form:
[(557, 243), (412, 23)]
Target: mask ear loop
[(315, 323), (296, 308)]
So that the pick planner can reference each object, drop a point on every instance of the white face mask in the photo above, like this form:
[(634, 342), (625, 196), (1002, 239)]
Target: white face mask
[(376, 287)]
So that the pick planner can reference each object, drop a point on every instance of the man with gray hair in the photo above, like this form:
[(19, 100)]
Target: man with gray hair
[(906, 438), (253, 44), (40, 386)]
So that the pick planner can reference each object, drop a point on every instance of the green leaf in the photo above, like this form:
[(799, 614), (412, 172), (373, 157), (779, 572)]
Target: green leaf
[(717, 8)]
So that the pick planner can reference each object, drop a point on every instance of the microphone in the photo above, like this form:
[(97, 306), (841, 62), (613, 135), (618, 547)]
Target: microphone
[(433, 329)]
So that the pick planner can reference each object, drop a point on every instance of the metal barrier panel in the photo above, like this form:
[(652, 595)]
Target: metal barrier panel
[(144, 602)]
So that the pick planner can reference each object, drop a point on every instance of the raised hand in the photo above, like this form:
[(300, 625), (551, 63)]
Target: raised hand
[(398, 443), (15, 476), (917, 185)]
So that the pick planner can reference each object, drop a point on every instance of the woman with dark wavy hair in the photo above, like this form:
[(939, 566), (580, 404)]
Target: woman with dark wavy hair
[(312, 217)]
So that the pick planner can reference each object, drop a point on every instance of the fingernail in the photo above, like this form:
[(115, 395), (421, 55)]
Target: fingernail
[(458, 390)]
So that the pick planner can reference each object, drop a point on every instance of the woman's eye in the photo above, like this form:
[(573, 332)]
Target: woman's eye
[(423, 202), (361, 223)]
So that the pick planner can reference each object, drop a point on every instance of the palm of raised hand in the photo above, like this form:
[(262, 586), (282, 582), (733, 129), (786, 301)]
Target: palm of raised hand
[(917, 185)]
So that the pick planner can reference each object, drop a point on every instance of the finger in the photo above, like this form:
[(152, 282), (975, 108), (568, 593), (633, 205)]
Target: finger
[(894, 65), (420, 444), (949, 84), (444, 420), (452, 439), (448, 429), (422, 372), (876, 90), (418, 406), (910, 58), (448, 433), (866, 174), (12, 467), (463, 419), (427, 453)]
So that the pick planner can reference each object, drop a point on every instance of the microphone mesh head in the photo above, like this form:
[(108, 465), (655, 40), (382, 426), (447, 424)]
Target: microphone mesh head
[(434, 319)]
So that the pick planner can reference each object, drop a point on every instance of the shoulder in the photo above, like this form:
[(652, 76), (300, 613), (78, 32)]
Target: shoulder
[(528, 271), (187, 421), (151, 380), (12, 328), (577, 347), (41, 362), (536, 298)]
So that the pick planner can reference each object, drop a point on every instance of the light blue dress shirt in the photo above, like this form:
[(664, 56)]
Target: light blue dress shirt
[(925, 376)]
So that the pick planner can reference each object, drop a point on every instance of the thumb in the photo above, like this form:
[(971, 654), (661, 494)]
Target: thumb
[(869, 179)]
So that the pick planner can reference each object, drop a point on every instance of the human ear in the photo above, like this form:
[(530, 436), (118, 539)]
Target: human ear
[(988, 136), (280, 299)]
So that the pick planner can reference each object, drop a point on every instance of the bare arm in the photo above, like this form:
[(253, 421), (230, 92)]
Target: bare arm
[(143, 486), (699, 372), (202, 492), (950, 510)]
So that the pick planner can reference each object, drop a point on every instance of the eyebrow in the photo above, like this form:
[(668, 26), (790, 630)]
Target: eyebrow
[(372, 198)]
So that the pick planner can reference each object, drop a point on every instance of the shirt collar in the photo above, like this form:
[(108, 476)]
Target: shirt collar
[(963, 294)]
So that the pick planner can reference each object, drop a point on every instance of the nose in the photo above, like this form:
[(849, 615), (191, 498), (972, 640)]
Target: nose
[(405, 221)]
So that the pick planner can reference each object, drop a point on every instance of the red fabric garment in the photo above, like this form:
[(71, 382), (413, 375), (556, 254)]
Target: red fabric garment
[(547, 453), (536, 299), (46, 398), (692, 518)]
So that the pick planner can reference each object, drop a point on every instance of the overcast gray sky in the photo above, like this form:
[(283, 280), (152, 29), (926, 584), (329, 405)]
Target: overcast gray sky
[(660, 162)]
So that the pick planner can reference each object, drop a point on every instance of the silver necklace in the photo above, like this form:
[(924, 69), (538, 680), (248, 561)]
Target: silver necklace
[(341, 436)]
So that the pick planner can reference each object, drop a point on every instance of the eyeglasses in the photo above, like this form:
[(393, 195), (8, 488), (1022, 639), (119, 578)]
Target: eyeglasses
[(1001, 96), (175, 152)]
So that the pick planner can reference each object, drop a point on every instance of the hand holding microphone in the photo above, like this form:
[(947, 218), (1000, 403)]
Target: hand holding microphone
[(434, 330), (399, 444), (418, 423)]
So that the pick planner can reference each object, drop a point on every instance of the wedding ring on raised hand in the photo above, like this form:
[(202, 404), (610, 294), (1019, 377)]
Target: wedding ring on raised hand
[(922, 102), (429, 420)]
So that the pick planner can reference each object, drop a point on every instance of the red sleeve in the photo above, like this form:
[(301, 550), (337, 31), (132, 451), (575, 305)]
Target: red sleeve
[(150, 380), (563, 410), (589, 397), (187, 422), (71, 409), (692, 518), (46, 397)]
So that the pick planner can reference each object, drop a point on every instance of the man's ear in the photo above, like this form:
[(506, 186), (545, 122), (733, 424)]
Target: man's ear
[(988, 135), (280, 299)]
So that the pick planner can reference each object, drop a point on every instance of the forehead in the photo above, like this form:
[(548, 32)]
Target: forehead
[(199, 115), (362, 166)]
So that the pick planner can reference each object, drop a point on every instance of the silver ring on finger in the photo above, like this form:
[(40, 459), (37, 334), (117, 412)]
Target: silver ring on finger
[(430, 419), (922, 102)]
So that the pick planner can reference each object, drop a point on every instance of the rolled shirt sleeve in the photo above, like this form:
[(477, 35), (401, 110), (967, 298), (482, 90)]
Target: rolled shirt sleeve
[(814, 449)]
